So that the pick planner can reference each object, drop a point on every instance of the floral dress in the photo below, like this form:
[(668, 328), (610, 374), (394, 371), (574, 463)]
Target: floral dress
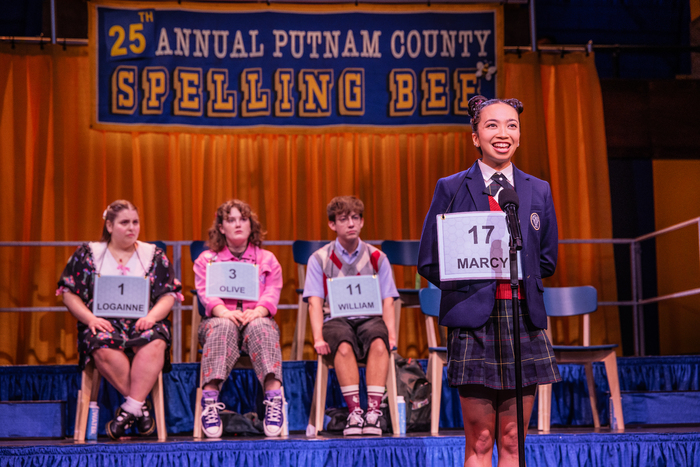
[(78, 278)]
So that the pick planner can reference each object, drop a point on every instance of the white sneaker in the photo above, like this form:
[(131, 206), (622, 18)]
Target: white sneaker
[(211, 422), (355, 423)]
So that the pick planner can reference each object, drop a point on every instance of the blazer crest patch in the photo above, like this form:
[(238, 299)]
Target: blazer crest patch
[(535, 221)]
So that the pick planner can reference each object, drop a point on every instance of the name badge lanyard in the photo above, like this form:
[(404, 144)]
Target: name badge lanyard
[(239, 303)]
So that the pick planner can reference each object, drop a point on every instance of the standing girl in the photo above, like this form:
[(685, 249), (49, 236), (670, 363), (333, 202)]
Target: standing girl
[(478, 313)]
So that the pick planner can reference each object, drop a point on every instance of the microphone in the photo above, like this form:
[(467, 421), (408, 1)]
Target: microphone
[(509, 202)]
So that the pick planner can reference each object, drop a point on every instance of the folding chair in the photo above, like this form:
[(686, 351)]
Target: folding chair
[(160, 244), (302, 251), (437, 356), (196, 249), (90, 387), (574, 301), (402, 253), (318, 401)]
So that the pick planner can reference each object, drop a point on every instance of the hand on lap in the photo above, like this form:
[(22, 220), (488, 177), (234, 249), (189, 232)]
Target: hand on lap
[(100, 324)]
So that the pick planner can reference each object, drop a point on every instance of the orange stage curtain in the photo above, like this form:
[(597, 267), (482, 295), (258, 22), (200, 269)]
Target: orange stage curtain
[(569, 151), (677, 254), (57, 176)]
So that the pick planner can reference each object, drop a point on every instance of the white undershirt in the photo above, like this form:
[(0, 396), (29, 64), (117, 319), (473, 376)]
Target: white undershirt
[(487, 172), (133, 267), (138, 264)]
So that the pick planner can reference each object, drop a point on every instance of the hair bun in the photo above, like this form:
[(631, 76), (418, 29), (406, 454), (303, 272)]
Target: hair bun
[(475, 104), (516, 104)]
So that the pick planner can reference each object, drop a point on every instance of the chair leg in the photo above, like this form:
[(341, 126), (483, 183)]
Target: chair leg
[(434, 375), (614, 383), (318, 400), (89, 389), (194, 339), (544, 409), (197, 431), (285, 421), (392, 395), (159, 408), (591, 393), (398, 304), (78, 423), (300, 330)]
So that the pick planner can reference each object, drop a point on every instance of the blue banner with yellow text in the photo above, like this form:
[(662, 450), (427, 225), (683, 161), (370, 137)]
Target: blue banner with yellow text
[(168, 66)]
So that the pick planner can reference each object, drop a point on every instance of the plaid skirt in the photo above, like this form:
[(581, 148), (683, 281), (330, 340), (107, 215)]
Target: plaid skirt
[(485, 355)]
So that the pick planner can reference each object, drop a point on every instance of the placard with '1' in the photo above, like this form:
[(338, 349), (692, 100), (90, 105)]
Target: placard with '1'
[(121, 297)]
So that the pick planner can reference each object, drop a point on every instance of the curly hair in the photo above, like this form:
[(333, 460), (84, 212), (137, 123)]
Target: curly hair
[(477, 104), (344, 205), (217, 240), (110, 214)]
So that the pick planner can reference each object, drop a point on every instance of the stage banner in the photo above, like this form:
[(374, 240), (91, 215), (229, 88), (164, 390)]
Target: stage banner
[(167, 66)]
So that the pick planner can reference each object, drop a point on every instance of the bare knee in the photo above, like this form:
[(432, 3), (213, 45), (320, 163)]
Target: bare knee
[(158, 345), (155, 347), (482, 442), (378, 348), (102, 356), (508, 440), (99, 355), (345, 350)]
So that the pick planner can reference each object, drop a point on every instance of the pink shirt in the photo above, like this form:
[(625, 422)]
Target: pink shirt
[(270, 279)]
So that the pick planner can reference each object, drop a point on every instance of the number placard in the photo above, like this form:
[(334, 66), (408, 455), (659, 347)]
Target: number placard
[(121, 297), (235, 280), (354, 296), (474, 245)]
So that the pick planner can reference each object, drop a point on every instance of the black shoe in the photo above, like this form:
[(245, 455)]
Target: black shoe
[(355, 423), (146, 424), (372, 422), (122, 422)]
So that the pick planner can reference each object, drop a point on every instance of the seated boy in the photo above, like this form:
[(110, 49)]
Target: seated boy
[(359, 338)]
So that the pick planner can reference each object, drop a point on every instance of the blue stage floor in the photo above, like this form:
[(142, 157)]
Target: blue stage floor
[(637, 447)]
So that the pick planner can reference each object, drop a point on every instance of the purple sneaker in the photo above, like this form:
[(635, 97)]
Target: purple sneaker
[(211, 422), (274, 416)]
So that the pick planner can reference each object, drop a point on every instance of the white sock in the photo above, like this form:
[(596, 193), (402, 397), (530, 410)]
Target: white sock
[(133, 406)]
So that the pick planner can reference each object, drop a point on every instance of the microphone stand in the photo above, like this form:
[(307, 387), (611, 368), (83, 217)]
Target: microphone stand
[(516, 349)]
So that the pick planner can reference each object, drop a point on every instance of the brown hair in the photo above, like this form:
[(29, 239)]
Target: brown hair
[(111, 213), (344, 205), (217, 240)]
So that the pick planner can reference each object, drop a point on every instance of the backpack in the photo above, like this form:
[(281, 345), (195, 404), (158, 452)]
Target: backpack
[(413, 385), (241, 425)]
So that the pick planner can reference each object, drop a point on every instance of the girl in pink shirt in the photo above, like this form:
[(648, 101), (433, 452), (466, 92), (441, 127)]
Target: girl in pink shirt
[(233, 326)]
